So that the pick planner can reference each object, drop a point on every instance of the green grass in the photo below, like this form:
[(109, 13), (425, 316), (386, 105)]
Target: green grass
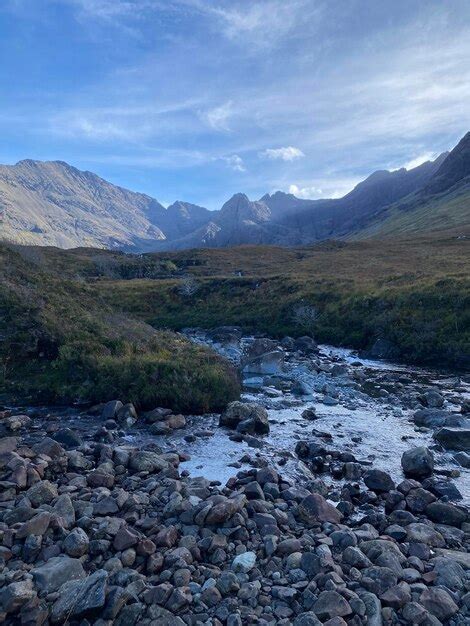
[(61, 342), (87, 325)]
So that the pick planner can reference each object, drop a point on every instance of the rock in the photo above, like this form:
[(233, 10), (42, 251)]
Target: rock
[(68, 438), (307, 619), (432, 399), (439, 603), (17, 422), (397, 596), (50, 576), (15, 595), (331, 604), (244, 562), (76, 543), (463, 459), (80, 598), (417, 462), (37, 526), (315, 509), (422, 533), (305, 344), (253, 416), (445, 513), (430, 418), (50, 447), (42, 492), (378, 480), (382, 349), (147, 461), (270, 363), (125, 538), (449, 573), (454, 438), (126, 415), (110, 409), (462, 558)]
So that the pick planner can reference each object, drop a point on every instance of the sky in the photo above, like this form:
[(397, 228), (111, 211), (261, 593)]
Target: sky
[(197, 100)]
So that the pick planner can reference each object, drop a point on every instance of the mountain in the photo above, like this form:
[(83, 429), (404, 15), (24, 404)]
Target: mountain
[(283, 219), (442, 204), (53, 203)]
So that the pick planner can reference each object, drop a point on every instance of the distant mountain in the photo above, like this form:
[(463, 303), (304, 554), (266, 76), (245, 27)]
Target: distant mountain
[(284, 219), (441, 204), (53, 203)]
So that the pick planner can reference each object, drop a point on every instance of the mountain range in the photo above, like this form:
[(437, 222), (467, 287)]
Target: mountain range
[(53, 203)]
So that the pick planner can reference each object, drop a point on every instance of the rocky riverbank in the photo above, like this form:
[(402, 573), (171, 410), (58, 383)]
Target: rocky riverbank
[(105, 518)]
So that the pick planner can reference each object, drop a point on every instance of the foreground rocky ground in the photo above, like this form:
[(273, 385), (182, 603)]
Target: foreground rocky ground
[(97, 530)]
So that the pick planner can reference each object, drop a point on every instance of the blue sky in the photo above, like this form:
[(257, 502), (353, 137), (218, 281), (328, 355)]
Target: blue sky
[(197, 100)]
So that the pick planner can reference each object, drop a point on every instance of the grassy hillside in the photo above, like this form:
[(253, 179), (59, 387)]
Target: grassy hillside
[(448, 214), (415, 293), (60, 342), (92, 325)]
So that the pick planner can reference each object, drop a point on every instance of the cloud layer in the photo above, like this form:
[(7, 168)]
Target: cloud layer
[(198, 100)]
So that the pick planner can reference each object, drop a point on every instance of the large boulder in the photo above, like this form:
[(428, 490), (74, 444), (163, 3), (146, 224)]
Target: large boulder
[(432, 399), (247, 417), (80, 598), (454, 438), (417, 462), (315, 509), (147, 461), (269, 363), (56, 571), (378, 481), (430, 418), (445, 513)]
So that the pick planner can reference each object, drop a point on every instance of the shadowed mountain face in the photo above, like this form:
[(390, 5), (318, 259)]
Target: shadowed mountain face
[(52, 203)]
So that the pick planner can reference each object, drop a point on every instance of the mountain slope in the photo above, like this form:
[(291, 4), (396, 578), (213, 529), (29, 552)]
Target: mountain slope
[(52, 203), (443, 204)]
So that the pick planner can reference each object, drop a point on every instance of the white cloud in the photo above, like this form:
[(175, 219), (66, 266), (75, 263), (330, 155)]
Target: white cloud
[(235, 162), (306, 193), (288, 153), (218, 117), (419, 160)]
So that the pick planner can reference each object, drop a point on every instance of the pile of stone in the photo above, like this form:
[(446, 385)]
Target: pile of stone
[(96, 533)]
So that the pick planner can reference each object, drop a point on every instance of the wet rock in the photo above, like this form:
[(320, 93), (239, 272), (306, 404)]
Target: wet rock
[(454, 438), (269, 363), (253, 416), (463, 459), (126, 415), (432, 399), (305, 344), (430, 418), (378, 481), (418, 462)]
